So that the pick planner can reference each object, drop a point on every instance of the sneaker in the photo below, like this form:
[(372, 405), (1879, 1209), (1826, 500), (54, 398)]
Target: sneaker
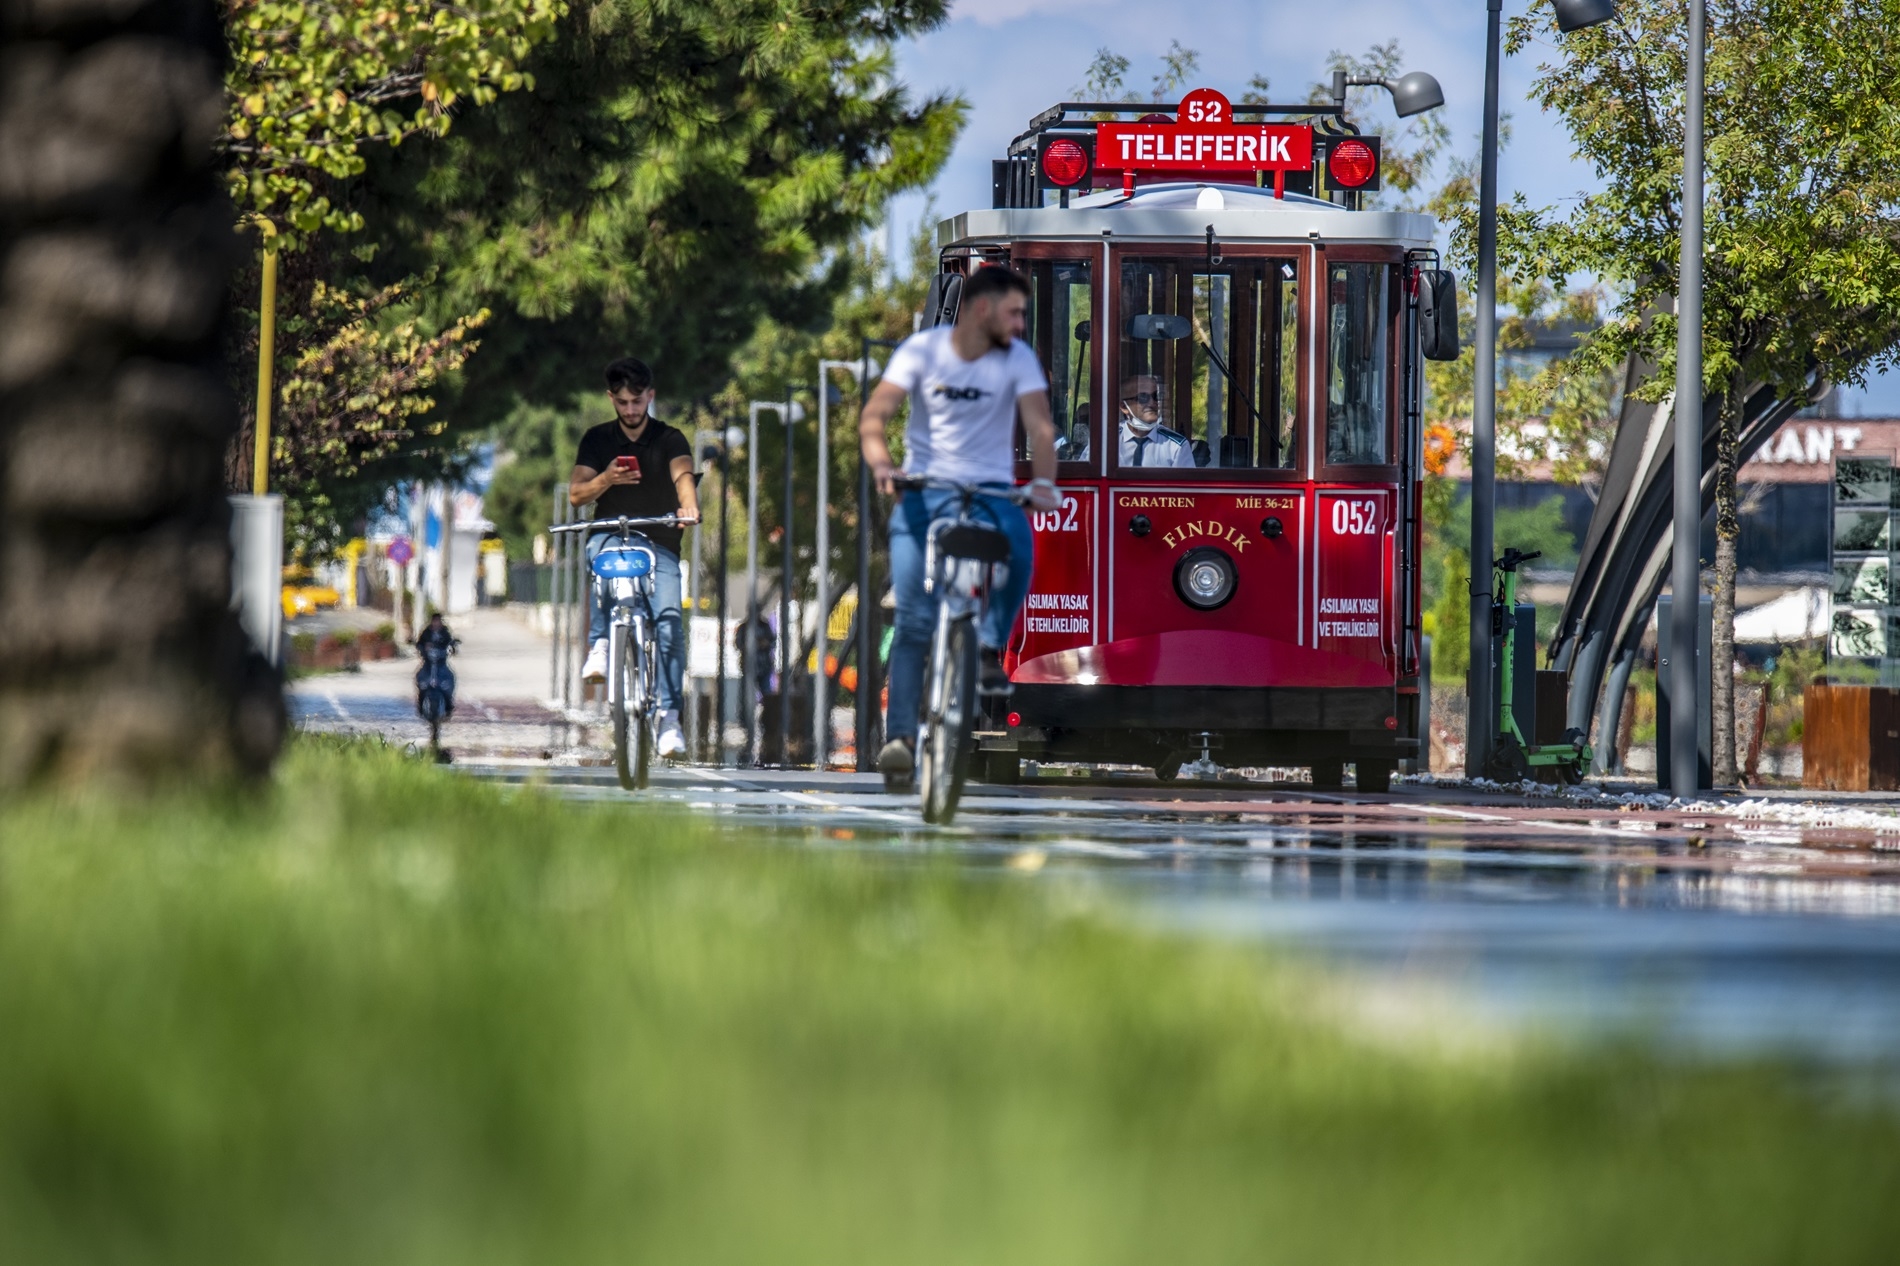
[(672, 743), (595, 669), (895, 759), (991, 678)]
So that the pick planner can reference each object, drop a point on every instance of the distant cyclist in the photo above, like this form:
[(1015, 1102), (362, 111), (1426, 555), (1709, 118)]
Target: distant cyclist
[(640, 467), (967, 383)]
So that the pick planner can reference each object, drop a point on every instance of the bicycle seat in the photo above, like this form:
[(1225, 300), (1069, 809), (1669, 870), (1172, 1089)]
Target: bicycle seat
[(973, 540)]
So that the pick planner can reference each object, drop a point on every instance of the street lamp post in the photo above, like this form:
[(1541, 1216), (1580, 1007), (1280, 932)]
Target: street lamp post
[(821, 683), (749, 656), (790, 412), (1480, 706), (1687, 683), (1481, 717), (867, 692), (791, 415)]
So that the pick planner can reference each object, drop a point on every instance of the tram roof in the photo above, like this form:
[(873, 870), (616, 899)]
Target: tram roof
[(1182, 211)]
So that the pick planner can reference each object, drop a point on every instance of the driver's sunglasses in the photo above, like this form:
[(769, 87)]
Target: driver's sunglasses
[(1144, 397)]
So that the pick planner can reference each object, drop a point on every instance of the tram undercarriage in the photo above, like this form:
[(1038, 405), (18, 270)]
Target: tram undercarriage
[(1164, 728)]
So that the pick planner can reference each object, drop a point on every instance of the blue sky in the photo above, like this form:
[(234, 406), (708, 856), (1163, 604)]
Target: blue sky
[(1011, 58)]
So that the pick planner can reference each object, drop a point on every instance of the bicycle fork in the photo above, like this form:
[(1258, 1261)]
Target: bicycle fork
[(626, 630)]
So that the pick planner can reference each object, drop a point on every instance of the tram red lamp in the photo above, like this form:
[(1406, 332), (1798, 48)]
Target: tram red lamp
[(1353, 163), (1205, 578), (1065, 162), (1015, 719)]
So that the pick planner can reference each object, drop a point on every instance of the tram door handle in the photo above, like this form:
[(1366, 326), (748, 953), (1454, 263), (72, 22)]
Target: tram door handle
[(1270, 527), (1140, 525)]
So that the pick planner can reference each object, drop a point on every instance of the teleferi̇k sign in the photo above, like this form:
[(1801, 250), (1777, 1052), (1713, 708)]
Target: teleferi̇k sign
[(1202, 138)]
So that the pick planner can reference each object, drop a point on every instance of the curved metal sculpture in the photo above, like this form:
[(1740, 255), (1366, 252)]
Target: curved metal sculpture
[(1625, 554)]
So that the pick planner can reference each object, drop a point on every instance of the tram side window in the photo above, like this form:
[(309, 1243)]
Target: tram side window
[(1061, 330), (1358, 364), (1206, 364)]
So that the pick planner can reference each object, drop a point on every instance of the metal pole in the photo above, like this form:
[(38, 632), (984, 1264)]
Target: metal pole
[(266, 366), (821, 598), (719, 682), (1479, 721), (867, 606), (691, 701), (749, 662), (565, 614), (1686, 572), (554, 594), (787, 635)]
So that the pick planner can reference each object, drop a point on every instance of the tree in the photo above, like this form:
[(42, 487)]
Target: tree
[(312, 85), (120, 657), (1802, 228), (612, 208)]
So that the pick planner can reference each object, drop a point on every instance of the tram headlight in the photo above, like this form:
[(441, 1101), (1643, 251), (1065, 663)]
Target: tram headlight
[(1205, 578)]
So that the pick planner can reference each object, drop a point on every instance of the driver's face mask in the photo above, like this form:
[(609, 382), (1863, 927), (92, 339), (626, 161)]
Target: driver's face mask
[(1135, 406)]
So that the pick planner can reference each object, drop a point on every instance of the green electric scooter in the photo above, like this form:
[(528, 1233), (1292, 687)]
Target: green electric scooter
[(1512, 758)]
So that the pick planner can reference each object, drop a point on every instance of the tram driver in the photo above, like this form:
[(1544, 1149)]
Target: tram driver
[(967, 382), (1144, 441)]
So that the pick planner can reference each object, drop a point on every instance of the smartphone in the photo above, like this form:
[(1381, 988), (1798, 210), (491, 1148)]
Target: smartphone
[(628, 463)]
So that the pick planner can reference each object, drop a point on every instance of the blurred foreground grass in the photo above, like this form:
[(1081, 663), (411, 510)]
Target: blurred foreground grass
[(384, 1014)]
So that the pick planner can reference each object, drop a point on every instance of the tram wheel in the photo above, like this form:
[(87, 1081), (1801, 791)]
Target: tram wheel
[(1329, 775), (1374, 776)]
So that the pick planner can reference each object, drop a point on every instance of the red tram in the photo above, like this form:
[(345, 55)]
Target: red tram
[(1242, 580)]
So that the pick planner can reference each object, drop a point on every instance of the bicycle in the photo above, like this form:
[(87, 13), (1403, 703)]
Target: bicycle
[(960, 560), (623, 582)]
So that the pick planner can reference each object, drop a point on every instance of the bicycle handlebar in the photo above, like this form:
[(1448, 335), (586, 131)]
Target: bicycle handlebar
[(918, 483), (621, 524)]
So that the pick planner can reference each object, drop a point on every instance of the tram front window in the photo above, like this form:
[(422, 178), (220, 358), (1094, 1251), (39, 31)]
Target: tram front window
[(1207, 364), (1358, 373), (1060, 329)]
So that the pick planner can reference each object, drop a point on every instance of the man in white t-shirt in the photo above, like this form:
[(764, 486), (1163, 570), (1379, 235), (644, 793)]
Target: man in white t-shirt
[(967, 383)]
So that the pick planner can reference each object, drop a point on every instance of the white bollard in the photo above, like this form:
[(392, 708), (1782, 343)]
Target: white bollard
[(257, 571)]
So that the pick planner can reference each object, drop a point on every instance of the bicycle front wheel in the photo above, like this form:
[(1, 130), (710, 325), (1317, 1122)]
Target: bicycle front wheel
[(945, 748), (624, 702), (641, 680)]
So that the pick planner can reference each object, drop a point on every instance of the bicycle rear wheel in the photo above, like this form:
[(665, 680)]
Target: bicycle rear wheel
[(945, 742)]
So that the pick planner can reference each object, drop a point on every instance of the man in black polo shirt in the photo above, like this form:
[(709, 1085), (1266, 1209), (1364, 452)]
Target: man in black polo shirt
[(640, 467)]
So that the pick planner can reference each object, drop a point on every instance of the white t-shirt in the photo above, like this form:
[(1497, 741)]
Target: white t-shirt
[(962, 412)]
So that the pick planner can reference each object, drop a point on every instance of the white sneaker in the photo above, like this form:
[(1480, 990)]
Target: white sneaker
[(595, 669), (672, 743)]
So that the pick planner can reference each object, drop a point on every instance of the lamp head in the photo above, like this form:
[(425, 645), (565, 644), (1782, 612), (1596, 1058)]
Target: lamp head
[(1418, 92), (1575, 15)]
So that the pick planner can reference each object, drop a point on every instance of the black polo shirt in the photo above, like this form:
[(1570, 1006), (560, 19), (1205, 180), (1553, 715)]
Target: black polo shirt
[(655, 494)]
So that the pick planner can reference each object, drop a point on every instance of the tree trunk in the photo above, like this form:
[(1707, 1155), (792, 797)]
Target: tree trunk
[(1728, 530), (120, 657)]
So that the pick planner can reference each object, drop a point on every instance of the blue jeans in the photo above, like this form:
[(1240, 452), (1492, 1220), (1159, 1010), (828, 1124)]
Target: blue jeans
[(917, 610), (666, 616)]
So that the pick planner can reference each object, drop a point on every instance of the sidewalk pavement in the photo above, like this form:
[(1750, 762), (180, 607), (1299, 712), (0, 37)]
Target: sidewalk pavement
[(502, 710)]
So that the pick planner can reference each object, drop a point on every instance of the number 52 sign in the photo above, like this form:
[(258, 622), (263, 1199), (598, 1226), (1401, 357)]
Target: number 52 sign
[(1204, 138)]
